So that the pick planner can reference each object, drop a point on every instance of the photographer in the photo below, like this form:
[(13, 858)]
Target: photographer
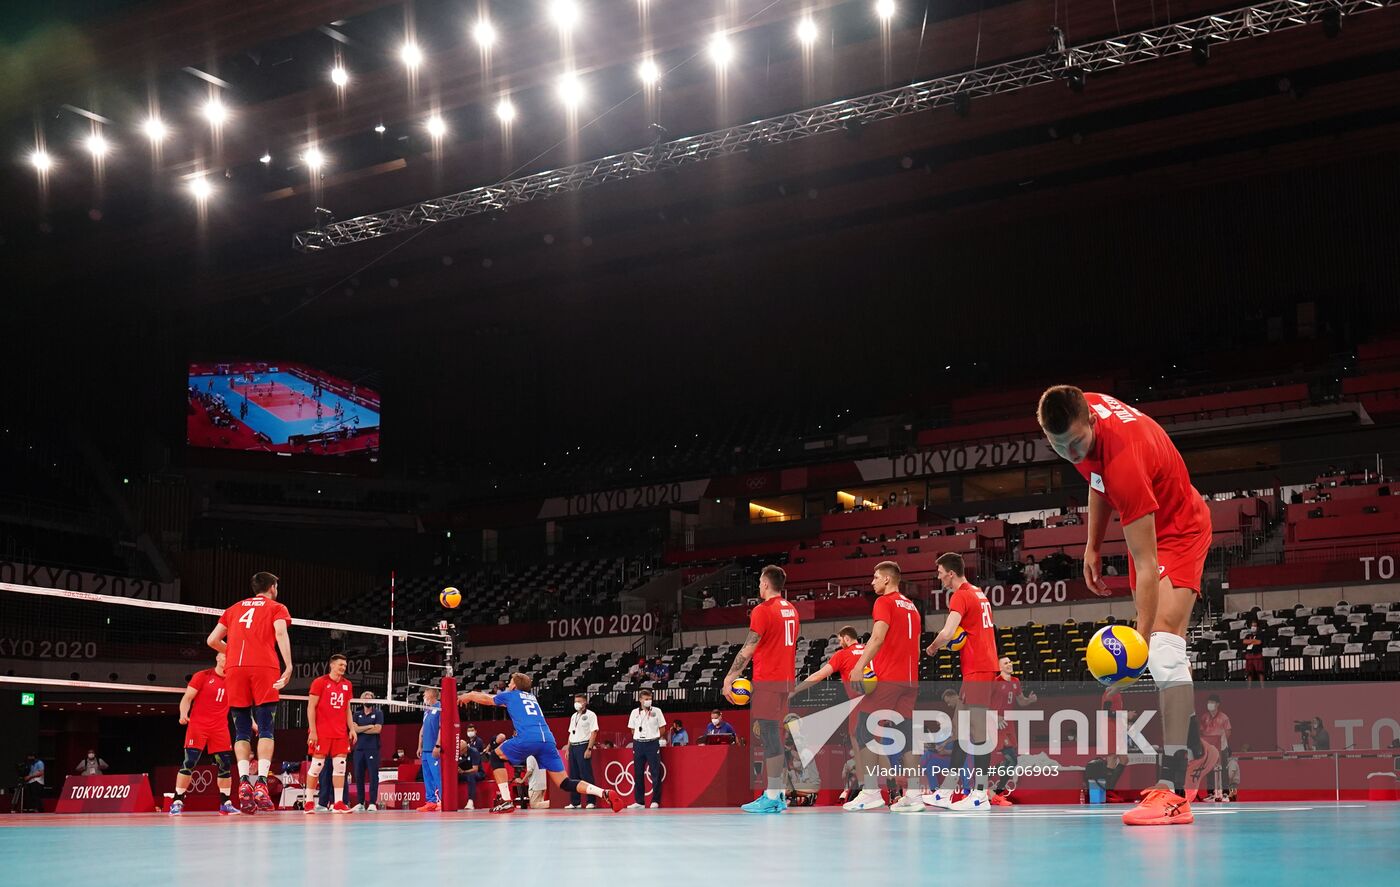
[(1316, 739)]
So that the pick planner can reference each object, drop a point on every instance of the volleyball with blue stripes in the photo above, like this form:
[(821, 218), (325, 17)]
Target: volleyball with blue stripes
[(450, 598), (868, 680), (1116, 655), (959, 639), (741, 691)]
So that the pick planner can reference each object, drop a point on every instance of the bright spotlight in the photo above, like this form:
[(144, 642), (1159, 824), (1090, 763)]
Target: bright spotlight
[(97, 145), (41, 160), (884, 9), (215, 112), (649, 73), (155, 129), (200, 188), (807, 31), (721, 50), (564, 13), (485, 33), (339, 76), (505, 111), (411, 55), (380, 128), (436, 127), (265, 159), (314, 159), (570, 90)]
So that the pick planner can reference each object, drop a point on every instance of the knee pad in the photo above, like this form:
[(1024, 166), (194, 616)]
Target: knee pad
[(225, 759), (314, 769), (266, 717), (771, 732), (569, 784), (242, 725), (1166, 659), (338, 766), (191, 760)]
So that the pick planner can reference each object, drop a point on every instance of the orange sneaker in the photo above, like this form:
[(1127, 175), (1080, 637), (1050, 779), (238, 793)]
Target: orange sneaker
[(429, 807), (998, 800), (1160, 806)]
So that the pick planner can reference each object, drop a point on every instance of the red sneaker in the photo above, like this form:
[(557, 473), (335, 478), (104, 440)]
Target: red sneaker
[(614, 800), (1160, 807), (997, 800), (261, 796), (247, 802), (309, 809), (504, 806), (429, 807), (340, 807)]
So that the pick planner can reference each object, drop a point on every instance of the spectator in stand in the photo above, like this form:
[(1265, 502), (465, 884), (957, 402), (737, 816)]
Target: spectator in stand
[(638, 672), (659, 671), (1032, 570), (677, 735), (469, 770), (1215, 730), (1253, 653), (364, 755), (707, 600), (1319, 740), (719, 726), (1109, 569), (503, 618), (91, 765)]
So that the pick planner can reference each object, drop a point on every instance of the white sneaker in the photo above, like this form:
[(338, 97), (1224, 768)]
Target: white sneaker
[(654, 805), (634, 806), (372, 808), (868, 799), (977, 801), (938, 798), (358, 808), (570, 806), (908, 803), (471, 805)]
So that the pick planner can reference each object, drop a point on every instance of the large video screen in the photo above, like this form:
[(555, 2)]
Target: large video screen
[(281, 408)]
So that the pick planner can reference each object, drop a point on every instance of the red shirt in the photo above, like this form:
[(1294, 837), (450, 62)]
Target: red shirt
[(898, 657), (1139, 471), (252, 641), (1006, 692), (330, 707), (843, 660), (979, 654), (1214, 725), (209, 710), (774, 659)]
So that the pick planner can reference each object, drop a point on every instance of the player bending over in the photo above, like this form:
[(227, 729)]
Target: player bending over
[(204, 709), (330, 732), (532, 737)]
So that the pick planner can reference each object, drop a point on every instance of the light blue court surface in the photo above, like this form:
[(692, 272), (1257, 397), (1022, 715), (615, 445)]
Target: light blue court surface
[(1244, 844), (286, 420)]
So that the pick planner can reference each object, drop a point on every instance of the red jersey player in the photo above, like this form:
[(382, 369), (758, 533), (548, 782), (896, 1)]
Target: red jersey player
[(969, 609), (1133, 468), (1005, 696), (893, 653), (841, 663), (256, 629), (772, 644), (204, 711), (330, 731)]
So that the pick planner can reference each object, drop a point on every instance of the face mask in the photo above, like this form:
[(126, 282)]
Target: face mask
[(578, 706), (714, 721), (1212, 706), (471, 734), (646, 703)]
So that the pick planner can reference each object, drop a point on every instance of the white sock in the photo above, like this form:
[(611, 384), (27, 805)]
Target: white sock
[(264, 767), (774, 793), (340, 793), (590, 789), (505, 791), (243, 768)]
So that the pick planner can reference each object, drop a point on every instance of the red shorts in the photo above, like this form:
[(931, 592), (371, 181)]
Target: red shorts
[(769, 701), (978, 690), (1182, 559), (1254, 666), (329, 747), (212, 740), (249, 686), (889, 696)]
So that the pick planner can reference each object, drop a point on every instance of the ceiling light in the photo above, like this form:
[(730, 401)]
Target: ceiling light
[(485, 33), (436, 127), (339, 76), (505, 111), (807, 31), (215, 112), (649, 73), (411, 55), (155, 129)]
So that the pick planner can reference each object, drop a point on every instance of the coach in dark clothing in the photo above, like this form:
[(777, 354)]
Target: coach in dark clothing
[(1320, 740), (364, 759)]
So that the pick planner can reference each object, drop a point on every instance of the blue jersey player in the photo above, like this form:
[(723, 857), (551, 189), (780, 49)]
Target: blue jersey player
[(532, 737)]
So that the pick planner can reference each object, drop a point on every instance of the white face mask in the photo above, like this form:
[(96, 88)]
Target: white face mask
[(646, 703), (578, 706), (714, 720), (1212, 706), (471, 734)]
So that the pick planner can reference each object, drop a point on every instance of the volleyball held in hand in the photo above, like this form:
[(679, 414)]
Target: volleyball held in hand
[(451, 598), (959, 639), (740, 691), (868, 681), (1116, 655)]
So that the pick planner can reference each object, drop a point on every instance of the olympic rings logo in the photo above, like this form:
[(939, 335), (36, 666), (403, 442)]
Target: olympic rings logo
[(1113, 645), (617, 775), (200, 780)]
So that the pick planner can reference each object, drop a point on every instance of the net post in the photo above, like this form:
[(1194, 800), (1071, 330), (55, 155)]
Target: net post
[(447, 738)]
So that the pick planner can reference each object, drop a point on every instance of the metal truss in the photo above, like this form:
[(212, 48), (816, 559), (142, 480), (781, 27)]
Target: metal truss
[(1071, 64)]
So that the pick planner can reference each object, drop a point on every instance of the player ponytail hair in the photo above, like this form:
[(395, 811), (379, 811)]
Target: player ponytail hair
[(523, 682), (1060, 407)]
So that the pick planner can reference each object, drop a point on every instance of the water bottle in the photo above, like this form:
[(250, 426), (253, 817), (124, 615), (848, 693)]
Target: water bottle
[(1084, 795)]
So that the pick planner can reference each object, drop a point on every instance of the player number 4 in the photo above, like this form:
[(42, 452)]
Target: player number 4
[(247, 618)]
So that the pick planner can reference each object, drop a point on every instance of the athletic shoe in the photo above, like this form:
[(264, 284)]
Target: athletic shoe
[(938, 798), (247, 801), (615, 801), (1198, 769), (908, 803), (261, 795), (571, 806), (1160, 806), (590, 807), (997, 800), (177, 808), (977, 801), (760, 804), (471, 805), (339, 807), (358, 808), (227, 809), (655, 806), (503, 806), (373, 808), (868, 799), (429, 807), (634, 806), (311, 808)]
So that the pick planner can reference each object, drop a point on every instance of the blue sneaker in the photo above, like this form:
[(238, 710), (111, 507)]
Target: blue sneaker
[(227, 809), (765, 804), (177, 808)]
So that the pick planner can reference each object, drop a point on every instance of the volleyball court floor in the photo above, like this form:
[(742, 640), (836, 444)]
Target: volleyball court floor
[(1239, 844)]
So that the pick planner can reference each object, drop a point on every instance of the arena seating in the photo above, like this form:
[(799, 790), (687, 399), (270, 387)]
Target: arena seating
[(1305, 643), (1356, 516), (1233, 520)]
